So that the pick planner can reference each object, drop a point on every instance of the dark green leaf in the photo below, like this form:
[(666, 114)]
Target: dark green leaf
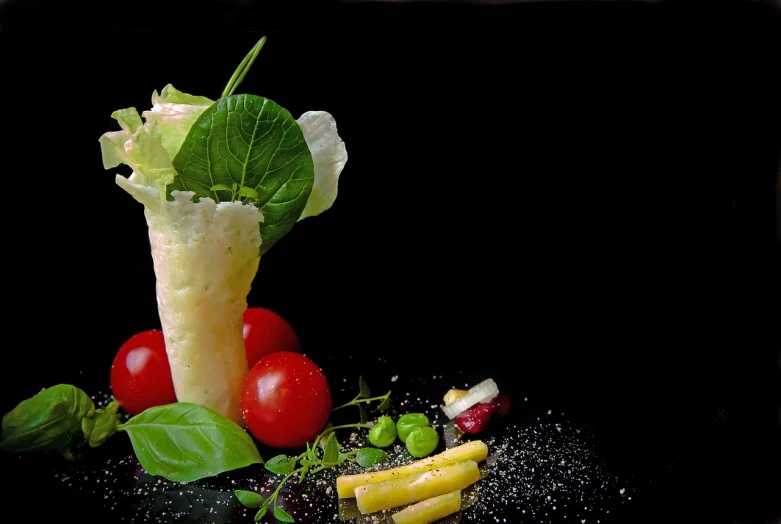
[(281, 514), (184, 442), (386, 403), (281, 464), (367, 457), (249, 498), (261, 513), (363, 388), (331, 453), (48, 420), (253, 142), (363, 414)]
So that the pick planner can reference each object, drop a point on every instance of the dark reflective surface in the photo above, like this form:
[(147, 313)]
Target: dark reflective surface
[(577, 200), (546, 463)]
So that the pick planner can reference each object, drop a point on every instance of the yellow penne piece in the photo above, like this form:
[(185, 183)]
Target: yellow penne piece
[(475, 450), (430, 510), (416, 487)]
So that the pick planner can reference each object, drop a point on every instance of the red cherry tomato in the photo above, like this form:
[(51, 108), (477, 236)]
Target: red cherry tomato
[(141, 375), (267, 332), (285, 400)]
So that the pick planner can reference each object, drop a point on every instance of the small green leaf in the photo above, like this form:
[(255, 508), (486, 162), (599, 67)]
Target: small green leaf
[(48, 420), (363, 387), (331, 435), (386, 402), (331, 453), (281, 464), (220, 187), (255, 143), (367, 457), (248, 192), (281, 514), (363, 413), (249, 498), (184, 442), (310, 453), (261, 513)]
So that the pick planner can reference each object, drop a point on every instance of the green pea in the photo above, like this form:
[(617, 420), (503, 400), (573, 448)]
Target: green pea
[(408, 422), (422, 441), (383, 432)]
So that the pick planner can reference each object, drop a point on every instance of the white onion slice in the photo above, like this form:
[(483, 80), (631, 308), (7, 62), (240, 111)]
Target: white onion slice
[(483, 392)]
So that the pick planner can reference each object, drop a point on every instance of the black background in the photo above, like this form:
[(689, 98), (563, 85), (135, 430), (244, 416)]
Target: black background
[(577, 198)]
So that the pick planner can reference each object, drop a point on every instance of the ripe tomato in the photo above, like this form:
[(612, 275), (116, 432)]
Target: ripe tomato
[(285, 400), (140, 374), (267, 332)]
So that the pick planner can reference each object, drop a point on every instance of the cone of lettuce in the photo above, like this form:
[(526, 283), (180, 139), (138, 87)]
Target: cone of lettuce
[(220, 181)]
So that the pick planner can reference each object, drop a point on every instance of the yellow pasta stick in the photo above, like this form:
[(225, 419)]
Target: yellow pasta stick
[(430, 510), (475, 450), (416, 487)]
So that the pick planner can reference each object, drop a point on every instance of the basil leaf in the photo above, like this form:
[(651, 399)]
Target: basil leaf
[(367, 457), (48, 420), (253, 142), (281, 514), (261, 513), (184, 442), (249, 498)]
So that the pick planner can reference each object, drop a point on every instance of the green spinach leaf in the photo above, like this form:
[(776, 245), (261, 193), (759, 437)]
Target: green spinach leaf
[(253, 144)]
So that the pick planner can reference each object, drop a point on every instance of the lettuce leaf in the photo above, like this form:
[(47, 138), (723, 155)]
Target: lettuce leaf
[(329, 155)]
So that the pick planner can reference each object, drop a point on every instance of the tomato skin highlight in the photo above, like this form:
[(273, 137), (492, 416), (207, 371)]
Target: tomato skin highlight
[(265, 331), (140, 373), (285, 400)]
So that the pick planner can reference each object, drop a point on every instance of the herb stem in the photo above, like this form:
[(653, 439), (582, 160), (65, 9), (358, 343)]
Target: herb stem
[(245, 65), (343, 426), (358, 400)]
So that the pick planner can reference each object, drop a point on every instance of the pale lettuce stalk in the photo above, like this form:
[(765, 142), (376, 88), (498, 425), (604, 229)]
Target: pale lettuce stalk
[(205, 254)]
